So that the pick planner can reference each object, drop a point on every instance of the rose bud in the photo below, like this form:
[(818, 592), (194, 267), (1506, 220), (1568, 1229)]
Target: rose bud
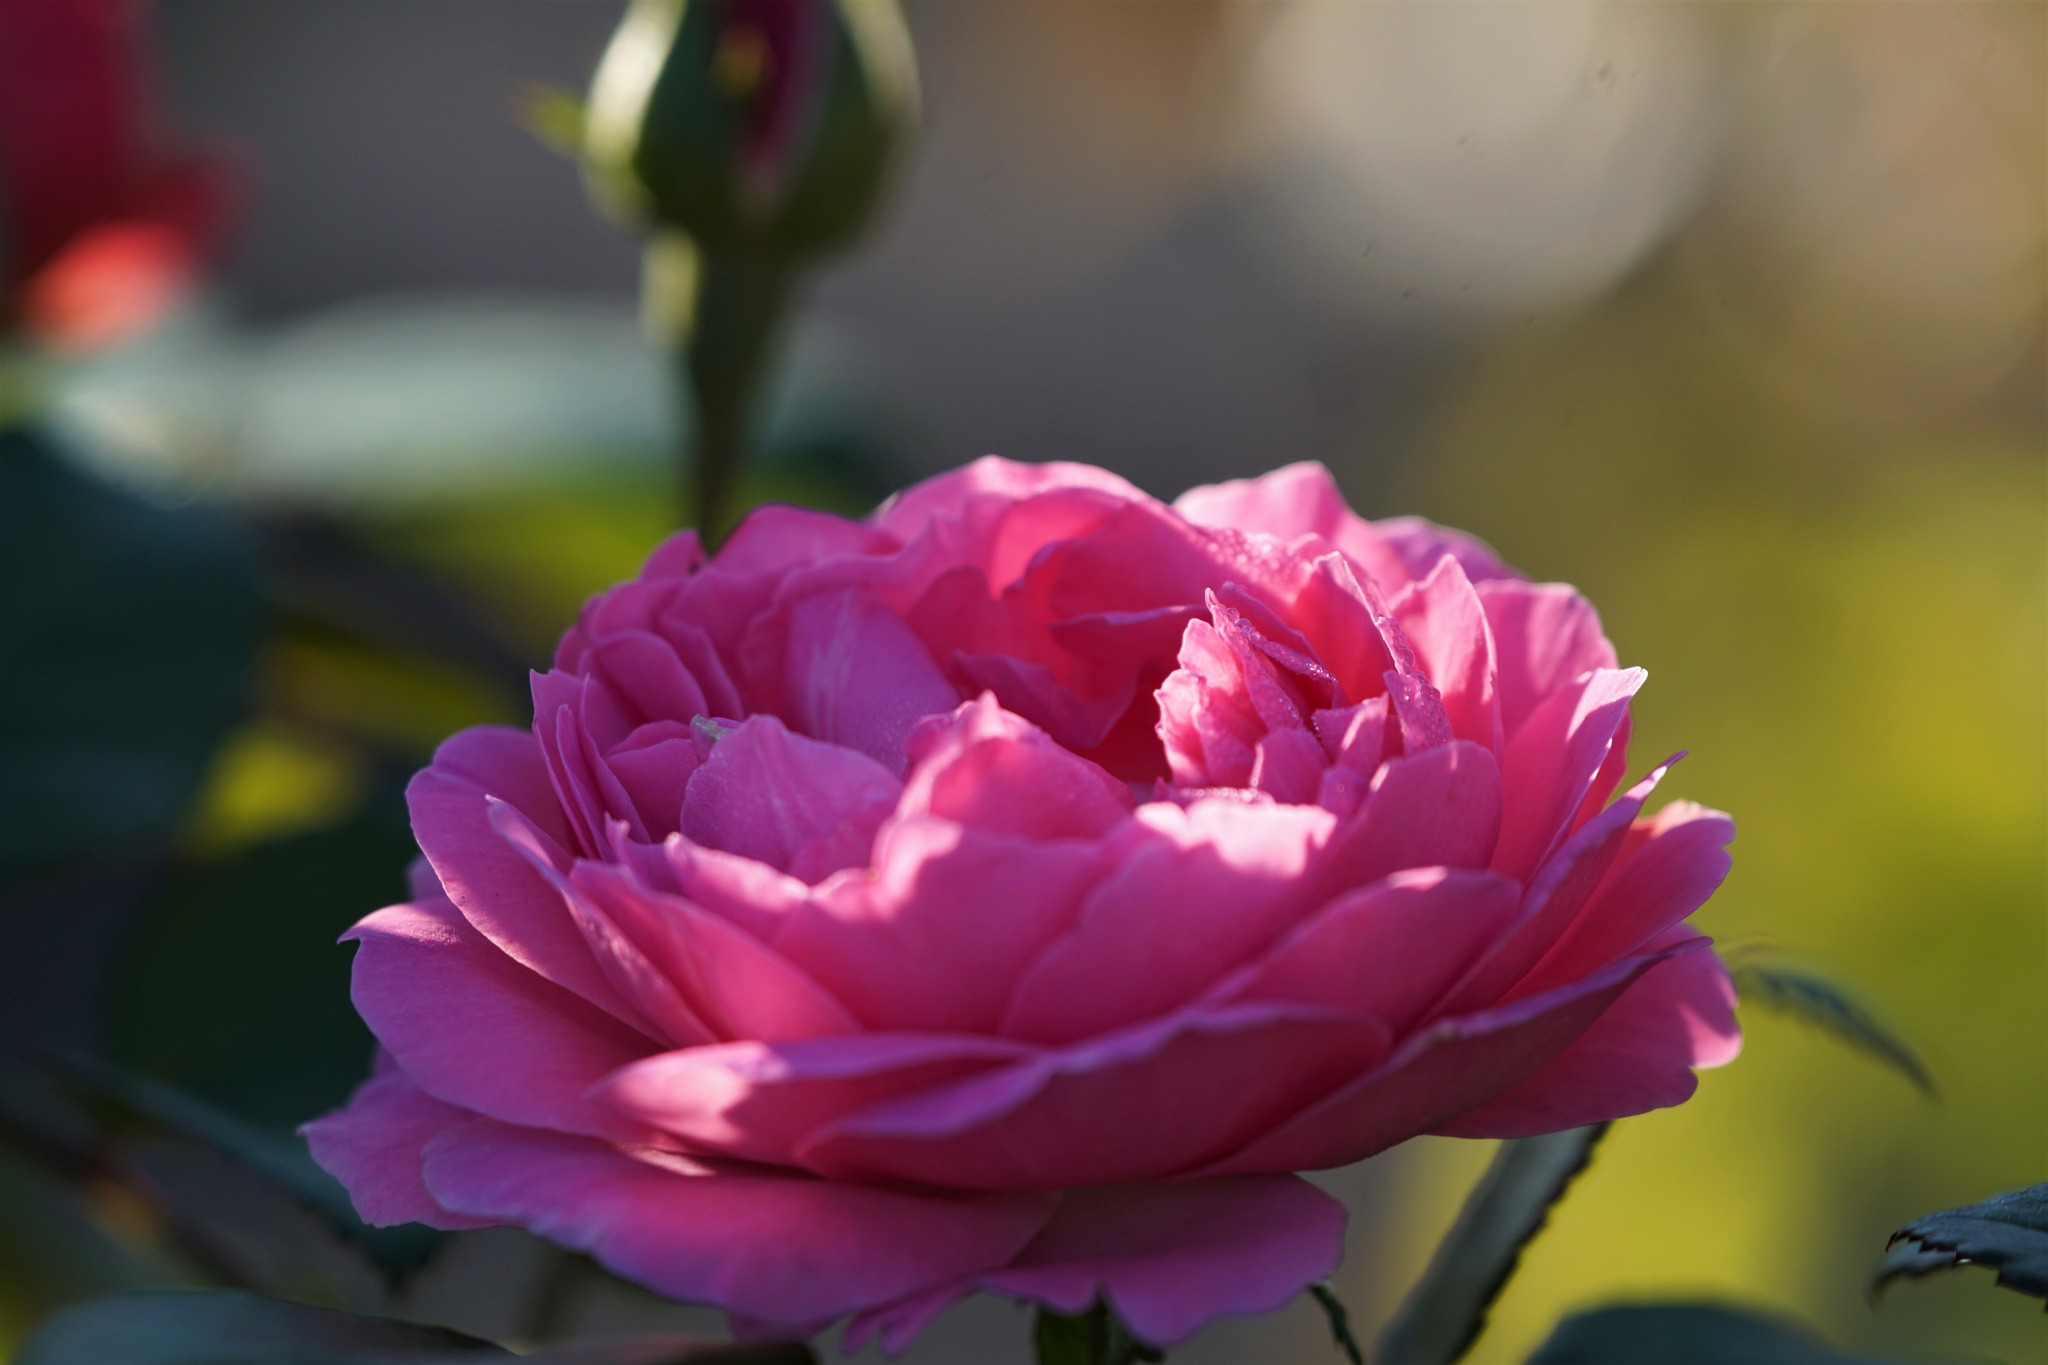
[(761, 126), (100, 225), (1015, 891)]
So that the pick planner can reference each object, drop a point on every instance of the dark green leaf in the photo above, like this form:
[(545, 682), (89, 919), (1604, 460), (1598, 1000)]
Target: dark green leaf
[(127, 635), (1809, 996), (1446, 1310), (228, 1327), (282, 1163), (1340, 1322), (232, 984), (2007, 1233), (1095, 1337), (1685, 1334), (676, 1351)]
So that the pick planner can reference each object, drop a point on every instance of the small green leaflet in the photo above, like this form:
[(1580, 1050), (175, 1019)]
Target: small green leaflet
[(2007, 1233), (1813, 998)]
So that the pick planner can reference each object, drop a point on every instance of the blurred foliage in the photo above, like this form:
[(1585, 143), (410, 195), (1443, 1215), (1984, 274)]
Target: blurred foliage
[(125, 658), (233, 986), (1684, 1334)]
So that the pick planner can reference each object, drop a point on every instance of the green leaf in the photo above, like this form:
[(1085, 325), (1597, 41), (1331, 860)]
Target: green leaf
[(229, 1327), (2007, 1233), (1340, 1322), (1813, 998), (127, 636), (1446, 1310), (1685, 1334), (1095, 1337)]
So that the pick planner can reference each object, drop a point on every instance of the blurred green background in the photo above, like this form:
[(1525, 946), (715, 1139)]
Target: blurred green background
[(1731, 315)]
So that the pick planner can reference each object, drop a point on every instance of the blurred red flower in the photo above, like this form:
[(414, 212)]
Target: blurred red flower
[(101, 223)]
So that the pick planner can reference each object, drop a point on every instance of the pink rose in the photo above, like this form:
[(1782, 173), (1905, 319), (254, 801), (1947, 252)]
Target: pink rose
[(1013, 891)]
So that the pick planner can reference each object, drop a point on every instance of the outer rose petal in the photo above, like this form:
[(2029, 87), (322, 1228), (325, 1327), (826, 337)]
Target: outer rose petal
[(758, 1101), (1452, 1067), (374, 1145), (1666, 869), (489, 880), (1170, 1257), (1133, 1105), (1639, 1056), (1390, 949), (780, 1248), (475, 1028)]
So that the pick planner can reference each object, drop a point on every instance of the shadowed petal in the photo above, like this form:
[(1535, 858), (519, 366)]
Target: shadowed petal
[(1168, 1257), (1129, 1106), (1451, 1067), (777, 1248), (1637, 1057), (373, 1145)]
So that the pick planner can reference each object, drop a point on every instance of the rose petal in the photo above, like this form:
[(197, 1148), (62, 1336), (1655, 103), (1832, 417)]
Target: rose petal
[(1636, 1057), (474, 1028), (1390, 949), (840, 668), (373, 1145), (1193, 894), (739, 986), (1551, 763), (1131, 1105), (1168, 1257), (491, 882), (1453, 1066), (1446, 620), (995, 771), (771, 1247), (1438, 808), (798, 805), (1665, 870), (758, 1100), (1544, 636), (949, 918)]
